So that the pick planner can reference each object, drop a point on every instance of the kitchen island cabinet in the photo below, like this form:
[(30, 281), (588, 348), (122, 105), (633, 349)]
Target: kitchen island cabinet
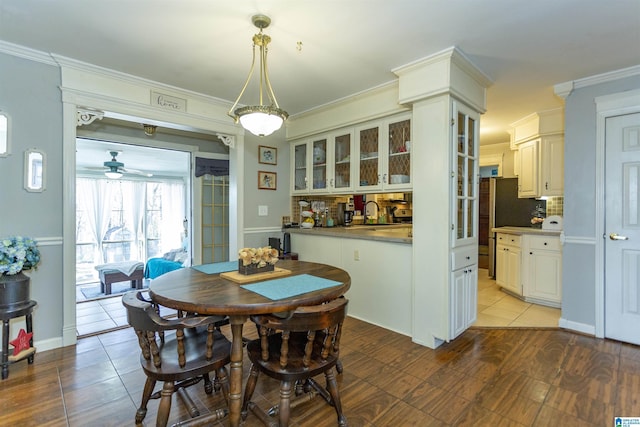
[(380, 273)]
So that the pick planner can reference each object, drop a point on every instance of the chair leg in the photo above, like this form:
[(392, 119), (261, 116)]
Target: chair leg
[(208, 387), (149, 385), (339, 366), (332, 385), (285, 402), (165, 404), (249, 389), (223, 379)]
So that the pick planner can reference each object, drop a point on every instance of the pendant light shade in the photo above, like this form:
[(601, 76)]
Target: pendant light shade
[(260, 120)]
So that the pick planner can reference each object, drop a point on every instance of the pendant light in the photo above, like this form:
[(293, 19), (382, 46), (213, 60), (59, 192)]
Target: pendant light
[(260, 120)]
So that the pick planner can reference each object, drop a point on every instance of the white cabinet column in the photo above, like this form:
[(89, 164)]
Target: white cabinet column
[(439, 87)]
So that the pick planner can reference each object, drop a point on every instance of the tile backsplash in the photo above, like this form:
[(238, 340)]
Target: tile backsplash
[(555, 206)]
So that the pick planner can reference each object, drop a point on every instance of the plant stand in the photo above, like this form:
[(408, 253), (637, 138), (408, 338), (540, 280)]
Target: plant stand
[(7, 314)]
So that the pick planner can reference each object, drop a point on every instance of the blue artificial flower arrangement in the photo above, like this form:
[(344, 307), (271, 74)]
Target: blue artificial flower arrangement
[(18, 253)]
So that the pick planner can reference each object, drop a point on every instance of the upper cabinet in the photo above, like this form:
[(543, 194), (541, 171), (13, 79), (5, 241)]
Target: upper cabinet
[(323, 164), (375, 156), (465, 157), (539, 141), (384, 155)]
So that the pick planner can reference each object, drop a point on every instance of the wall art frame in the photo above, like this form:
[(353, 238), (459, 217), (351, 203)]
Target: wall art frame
[(267, 180), (267, 155)]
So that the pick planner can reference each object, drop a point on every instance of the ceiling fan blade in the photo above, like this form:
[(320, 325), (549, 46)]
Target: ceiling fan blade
[(136, 172)]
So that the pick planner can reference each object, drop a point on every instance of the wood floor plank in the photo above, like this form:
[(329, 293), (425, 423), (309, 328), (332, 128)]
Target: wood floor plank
[(486, 377)]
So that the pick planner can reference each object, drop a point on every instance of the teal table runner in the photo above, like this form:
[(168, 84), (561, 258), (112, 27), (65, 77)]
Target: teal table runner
[(218, 267), (290, 286)]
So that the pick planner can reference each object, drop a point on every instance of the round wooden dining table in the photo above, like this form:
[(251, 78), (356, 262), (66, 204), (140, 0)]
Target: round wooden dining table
[(193, 291)]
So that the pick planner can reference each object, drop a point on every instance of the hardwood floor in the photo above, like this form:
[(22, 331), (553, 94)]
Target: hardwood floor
[(486, 377)]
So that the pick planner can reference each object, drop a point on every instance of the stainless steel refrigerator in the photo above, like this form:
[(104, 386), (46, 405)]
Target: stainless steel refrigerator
[(506, 209)]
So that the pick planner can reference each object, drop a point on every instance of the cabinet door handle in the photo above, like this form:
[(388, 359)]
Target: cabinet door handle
[(530, 253)]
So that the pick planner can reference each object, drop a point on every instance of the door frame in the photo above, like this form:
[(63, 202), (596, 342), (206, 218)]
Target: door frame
[(90, 91), (612, 105)]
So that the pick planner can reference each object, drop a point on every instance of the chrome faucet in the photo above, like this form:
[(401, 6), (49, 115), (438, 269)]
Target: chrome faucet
[(377, 208)]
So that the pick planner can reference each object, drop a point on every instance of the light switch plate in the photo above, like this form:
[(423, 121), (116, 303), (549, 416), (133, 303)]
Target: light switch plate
[(263, 210)]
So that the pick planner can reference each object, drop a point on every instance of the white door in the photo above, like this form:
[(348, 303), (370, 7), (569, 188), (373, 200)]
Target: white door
[(622, 228)]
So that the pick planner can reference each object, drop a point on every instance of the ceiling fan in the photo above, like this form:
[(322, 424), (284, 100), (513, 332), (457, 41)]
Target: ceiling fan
[(114, 169)]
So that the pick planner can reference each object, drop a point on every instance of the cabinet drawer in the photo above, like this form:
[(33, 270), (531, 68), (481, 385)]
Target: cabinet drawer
[(508, 239), (546, 243), (463, 257)]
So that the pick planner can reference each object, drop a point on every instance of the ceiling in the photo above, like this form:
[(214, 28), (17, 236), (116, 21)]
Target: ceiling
[(326, 50)]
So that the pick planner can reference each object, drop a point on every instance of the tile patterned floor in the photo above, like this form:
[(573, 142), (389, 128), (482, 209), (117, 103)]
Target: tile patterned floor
[(499, 309), (495, 309)]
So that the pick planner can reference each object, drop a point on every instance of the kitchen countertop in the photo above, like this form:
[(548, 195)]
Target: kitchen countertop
[(396, 233), (526, 230)]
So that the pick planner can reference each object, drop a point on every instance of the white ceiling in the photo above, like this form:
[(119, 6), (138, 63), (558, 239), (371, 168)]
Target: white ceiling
[(348, 46)]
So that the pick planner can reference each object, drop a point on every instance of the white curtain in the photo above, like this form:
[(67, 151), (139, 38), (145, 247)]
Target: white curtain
[(94, 197), (134, 199), (173, 215)]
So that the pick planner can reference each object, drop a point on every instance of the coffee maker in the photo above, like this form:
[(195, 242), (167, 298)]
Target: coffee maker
[(345, 213)]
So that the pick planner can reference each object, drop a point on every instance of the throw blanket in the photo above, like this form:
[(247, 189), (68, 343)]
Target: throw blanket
[(126, 267), (158, 266)]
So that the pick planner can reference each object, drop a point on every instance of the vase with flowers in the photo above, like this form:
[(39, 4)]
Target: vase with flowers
[(17, 254)]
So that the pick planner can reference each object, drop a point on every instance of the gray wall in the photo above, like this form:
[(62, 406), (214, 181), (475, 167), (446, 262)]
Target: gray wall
[(578, 278), (30, 95), (278, 201)]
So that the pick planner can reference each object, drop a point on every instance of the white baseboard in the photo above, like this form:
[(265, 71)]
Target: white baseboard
[(48, 344), (578, 327)]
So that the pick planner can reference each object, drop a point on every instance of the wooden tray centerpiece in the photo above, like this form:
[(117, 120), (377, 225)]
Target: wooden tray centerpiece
[(256, 264)]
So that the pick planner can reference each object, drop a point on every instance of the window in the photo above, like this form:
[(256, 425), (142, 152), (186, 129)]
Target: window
[(125, 221)]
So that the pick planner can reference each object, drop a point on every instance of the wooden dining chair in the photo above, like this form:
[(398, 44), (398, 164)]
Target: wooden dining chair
[(180, 352), (293, 350)]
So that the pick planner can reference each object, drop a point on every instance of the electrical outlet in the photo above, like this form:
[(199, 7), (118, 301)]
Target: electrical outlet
[(356, 255), (263, 210)]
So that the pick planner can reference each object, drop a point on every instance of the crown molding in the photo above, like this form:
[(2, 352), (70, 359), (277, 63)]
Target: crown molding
[(564, 89), (26, 53)]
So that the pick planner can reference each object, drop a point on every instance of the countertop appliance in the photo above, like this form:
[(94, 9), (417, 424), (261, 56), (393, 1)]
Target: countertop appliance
[(506, 209), (345, 213), (402, 216)]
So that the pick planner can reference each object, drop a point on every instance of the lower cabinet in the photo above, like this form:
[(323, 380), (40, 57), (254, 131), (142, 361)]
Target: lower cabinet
[(508, 262), (543, 269), (530, 266), (463, 295), (464, 299)]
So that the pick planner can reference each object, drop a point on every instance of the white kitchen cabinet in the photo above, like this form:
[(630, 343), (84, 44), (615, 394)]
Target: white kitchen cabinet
[(508, 262), (542, 269), (383, 151), (323, 164), (552, 166), (528, 169), (464, 290), (541, 167)]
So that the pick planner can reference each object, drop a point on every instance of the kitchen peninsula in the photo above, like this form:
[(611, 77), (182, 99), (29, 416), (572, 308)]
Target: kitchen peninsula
[(379, 260)]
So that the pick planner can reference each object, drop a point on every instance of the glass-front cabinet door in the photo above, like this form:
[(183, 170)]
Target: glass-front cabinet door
[(398, 173), (342, 171), (320, 177), (369, 158), (466, 174), (300, 169)]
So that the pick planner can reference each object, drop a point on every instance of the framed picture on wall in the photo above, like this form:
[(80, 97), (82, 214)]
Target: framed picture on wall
[(267, 155), (267, 180)]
